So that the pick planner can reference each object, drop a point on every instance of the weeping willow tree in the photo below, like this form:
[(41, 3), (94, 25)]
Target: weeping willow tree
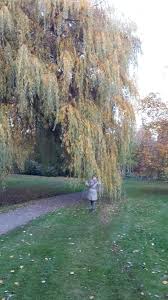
[(64, 64)]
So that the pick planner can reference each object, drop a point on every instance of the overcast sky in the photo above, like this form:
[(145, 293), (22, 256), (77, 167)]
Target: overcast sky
[(151, 17)]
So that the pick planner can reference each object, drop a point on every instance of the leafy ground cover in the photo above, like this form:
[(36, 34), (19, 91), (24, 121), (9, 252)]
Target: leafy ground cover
[(73, 254)]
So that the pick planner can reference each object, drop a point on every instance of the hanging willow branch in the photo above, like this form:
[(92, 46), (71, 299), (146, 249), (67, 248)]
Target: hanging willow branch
[(67, 63)]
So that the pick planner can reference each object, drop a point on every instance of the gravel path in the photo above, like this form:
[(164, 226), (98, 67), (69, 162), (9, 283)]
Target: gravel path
[(23, 215)]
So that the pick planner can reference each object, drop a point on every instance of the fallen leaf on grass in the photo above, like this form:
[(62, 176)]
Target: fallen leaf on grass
[(21, 267), (135, 251), (43, 281), (72, 273)]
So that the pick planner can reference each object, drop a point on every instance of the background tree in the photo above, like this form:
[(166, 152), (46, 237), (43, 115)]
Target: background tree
[(152, 148), (64, 68)]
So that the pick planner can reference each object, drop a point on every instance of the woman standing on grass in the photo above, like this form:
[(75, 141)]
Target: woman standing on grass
[(92, 191)]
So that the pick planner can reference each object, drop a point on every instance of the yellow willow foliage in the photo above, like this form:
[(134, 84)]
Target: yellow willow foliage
[(91, 151), (21, 146), (66, 63), (5, 155), (12, 144), (6, 22), (34, 79)]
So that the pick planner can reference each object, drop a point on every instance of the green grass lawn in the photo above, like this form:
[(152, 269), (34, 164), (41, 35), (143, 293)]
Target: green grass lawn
[(72, 254), (22, 188)]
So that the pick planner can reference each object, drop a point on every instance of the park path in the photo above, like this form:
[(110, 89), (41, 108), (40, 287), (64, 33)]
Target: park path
[(23, 215)]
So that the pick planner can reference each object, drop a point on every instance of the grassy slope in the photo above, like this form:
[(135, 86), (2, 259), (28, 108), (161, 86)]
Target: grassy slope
[(123, 260), (22, 188)]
